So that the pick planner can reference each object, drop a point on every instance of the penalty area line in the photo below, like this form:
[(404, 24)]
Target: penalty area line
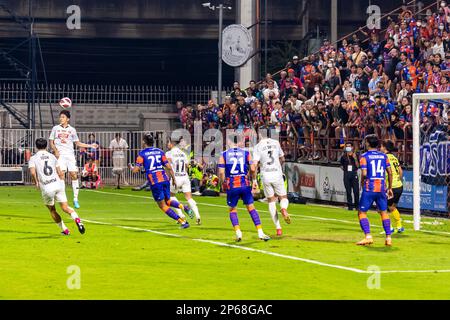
[(279, 255), (222, 244)]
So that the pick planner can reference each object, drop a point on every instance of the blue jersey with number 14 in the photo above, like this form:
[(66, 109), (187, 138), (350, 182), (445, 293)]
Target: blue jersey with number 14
[(375, 163)]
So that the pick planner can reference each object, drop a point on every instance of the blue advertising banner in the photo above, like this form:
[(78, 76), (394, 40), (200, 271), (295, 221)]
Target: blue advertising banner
[(431, 197)]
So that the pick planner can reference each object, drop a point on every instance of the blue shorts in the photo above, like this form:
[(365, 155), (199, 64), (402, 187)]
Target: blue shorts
[(161, 191), (244, 193), (367, 198)]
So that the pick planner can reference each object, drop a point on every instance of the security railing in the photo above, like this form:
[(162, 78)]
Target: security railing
[(16, 147)]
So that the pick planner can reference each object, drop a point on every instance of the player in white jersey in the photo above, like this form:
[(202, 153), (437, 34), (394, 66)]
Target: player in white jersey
[(62, 138), (270, 156), (47, 176), (179, 161)]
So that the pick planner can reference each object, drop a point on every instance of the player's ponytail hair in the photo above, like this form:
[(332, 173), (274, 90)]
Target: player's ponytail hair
[(148, 140)]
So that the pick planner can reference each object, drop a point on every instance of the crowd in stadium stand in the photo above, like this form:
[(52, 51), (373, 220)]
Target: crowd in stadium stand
[(344, 92)]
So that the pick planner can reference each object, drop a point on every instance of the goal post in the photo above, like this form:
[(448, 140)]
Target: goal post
[(417, 99)]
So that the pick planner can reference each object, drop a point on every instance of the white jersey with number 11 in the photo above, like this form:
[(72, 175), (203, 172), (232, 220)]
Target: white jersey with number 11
[(179, 161)]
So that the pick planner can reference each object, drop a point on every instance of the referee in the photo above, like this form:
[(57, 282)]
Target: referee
[(350, 165), (388, 147)]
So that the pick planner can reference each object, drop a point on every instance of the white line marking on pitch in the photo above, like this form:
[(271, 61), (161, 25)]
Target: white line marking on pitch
[(222, 244), (294, 215), (356, 270)]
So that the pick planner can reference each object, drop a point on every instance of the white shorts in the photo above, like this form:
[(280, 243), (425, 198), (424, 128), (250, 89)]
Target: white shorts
[(49, 196), (274, 188), (67, 163), (119, 163), (183, 185)]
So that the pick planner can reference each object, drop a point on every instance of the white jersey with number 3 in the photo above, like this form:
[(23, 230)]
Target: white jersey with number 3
[(179, 161), (64, 139), (268, 152)]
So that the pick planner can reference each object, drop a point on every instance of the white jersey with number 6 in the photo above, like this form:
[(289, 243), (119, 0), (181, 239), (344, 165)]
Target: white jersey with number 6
[(52, 187), (268, 152), (179, 161)]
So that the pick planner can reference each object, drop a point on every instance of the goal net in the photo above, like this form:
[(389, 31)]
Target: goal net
[(430, 159)]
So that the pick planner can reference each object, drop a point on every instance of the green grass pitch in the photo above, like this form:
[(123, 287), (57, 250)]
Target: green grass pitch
[(131, 250)]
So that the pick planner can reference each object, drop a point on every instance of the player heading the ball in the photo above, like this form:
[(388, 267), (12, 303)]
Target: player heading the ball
[(62, 138)]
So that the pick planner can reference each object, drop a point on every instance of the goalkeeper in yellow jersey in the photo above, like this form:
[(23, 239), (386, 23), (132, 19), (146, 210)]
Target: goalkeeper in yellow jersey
[(388, 147)]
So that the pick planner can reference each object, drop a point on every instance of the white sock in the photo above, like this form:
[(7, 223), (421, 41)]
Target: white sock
[(284, 203), (260, 233), (274, 214), (61, 225), (75, 187), (74, 215), (178, 211), (194, 207)]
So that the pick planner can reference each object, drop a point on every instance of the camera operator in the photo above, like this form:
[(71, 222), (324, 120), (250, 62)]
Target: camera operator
[(211, 184), (196, 175)]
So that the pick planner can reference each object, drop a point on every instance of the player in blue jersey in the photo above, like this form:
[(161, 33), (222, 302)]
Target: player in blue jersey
[(234, 166), (156, 167), (374, 165)]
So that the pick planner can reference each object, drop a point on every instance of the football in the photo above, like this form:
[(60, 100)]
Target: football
[(65, 103)]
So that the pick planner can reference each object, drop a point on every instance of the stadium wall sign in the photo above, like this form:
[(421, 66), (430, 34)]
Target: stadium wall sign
[(432, 197), (237, 45), (326, 183), (316, 182)]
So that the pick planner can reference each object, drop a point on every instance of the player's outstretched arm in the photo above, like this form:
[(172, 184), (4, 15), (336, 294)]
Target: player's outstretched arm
[(86, 145), (134, 169), (137, 167)]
